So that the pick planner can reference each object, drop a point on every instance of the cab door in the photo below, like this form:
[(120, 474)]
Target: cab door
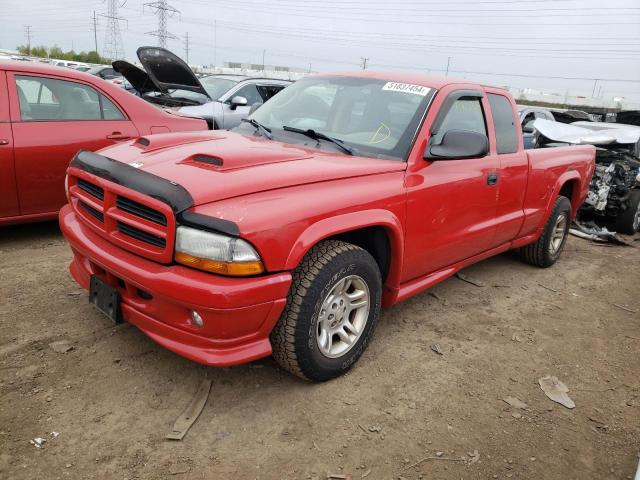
[(8, 193), (53, 118), (451, 205)]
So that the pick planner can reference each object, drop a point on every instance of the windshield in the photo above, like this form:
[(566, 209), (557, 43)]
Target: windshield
[(375, 117), (216, 86)]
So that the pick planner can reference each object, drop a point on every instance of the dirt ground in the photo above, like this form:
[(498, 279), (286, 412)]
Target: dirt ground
[(402, 412)]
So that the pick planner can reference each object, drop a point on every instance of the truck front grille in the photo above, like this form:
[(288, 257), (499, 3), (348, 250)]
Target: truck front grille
[(132, 221)]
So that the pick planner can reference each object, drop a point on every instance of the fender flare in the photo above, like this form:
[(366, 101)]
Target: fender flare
[(568, 176), (335, 225)]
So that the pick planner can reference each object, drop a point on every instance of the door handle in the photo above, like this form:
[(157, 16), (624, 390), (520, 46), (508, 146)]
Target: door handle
[(492, 178), (118, 136), (4, 141)]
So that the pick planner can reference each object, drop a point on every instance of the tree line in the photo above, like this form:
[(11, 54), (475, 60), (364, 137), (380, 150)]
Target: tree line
[(57, 53)]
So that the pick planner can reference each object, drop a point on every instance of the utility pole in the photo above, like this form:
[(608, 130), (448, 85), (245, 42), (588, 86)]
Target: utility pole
[(186, 47), (164, 11), (95, 30), (27, 31), (113, 45), (263, 54), (364, 62), (309, 67), (448, 63)]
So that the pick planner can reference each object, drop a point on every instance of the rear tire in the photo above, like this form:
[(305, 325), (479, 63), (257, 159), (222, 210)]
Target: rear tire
[(628, 222), (325, 326), (547, 249)]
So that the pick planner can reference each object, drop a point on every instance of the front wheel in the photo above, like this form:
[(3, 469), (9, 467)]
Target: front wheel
[(331, 312), (547, 249)]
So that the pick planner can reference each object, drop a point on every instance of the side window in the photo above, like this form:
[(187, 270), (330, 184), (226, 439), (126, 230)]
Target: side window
[(465, 114), (109, 110), (43, 99), (529, 117), (250, 92), (268, 91), (504, 124)]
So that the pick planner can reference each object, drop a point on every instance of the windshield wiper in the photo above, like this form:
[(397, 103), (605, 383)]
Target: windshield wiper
[(266, 131), (320, 136)]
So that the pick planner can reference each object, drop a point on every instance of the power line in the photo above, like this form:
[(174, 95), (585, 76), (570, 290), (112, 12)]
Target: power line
[(113, 44), (163, 11)]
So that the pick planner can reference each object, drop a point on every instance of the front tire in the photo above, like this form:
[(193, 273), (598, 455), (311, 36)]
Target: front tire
[(547, 249), (331, 312)]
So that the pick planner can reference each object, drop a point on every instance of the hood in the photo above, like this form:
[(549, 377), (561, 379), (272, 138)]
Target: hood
[(218, 165), (168, 71), (137, 77)]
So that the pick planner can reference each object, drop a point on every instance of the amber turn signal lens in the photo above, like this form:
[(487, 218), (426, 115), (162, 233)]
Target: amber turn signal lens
[(234, 269)]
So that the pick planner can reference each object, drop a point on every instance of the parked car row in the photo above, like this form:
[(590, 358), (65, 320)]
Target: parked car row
[(337, 196), (222, 100)]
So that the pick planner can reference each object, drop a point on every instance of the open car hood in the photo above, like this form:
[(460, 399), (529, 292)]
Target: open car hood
[(137, 77), (168, 71)]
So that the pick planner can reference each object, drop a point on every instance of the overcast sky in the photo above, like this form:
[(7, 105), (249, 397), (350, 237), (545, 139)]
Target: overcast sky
[(487, 40)]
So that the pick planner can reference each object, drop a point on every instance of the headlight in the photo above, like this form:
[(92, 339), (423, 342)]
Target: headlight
[(216, 253)]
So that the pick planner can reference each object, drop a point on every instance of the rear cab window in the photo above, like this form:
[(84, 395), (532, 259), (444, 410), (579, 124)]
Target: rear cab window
[(504, 123)]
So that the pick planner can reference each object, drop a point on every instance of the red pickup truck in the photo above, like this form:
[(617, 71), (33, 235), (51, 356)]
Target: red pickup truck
[(342, 194)]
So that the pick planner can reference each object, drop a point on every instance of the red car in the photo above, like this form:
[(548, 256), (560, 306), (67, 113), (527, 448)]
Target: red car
[(49, 113), (342, 194)]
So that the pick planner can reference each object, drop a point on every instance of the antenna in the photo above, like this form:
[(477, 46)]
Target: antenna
[(163, 10)]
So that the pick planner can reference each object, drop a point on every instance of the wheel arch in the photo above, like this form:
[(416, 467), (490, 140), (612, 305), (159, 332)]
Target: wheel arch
[(377, 231), (568, 185)]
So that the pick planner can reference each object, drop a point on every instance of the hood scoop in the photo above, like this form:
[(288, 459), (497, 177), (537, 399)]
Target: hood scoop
[(168, 140), (208, 160)]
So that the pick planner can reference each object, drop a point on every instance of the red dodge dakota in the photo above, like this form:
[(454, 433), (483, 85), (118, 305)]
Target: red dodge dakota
[(343, 194)]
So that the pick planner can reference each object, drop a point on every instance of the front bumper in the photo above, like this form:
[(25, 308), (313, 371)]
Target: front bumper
[(238, 313)]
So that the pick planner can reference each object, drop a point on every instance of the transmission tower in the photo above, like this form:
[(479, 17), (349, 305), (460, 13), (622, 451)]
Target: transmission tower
[(113, 45), (164, 11)]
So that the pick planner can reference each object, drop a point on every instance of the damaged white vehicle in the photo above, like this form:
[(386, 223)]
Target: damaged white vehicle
[(614, 194)]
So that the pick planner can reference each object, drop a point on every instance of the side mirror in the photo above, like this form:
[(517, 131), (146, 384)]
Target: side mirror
[(528, 127), (458, 144), (238, 101)]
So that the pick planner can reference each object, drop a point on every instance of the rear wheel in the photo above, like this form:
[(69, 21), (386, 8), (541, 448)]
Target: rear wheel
[(629, 221), (547, 249), (331, 311)]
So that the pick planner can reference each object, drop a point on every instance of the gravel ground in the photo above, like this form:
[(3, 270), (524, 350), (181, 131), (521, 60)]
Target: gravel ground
[(403, 412)]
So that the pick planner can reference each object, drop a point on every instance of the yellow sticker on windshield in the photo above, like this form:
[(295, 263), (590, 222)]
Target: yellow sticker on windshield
[(381, 134), (406, 88)]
